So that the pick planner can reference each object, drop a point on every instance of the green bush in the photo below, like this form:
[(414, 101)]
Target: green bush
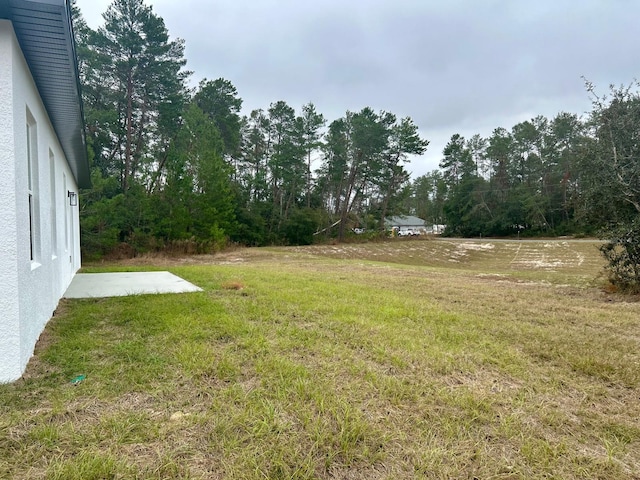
[(622, 252)]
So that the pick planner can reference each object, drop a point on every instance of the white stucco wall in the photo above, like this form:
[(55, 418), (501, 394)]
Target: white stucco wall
[(9, 325), (30, 290)]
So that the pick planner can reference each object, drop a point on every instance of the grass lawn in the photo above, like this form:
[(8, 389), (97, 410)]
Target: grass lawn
[(408, 359)]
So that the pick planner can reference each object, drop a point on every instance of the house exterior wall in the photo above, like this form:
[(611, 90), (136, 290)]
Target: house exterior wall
[(33, 281), (9, 325), (405, 224)]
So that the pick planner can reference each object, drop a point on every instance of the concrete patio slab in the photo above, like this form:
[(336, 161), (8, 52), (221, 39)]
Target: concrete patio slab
[(121, 284)]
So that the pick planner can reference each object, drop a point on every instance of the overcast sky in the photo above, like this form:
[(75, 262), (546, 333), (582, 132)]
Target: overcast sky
[(453, 66)]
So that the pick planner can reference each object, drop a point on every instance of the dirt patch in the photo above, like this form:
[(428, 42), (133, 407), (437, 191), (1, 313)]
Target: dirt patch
[(234, 256), (476, 246)]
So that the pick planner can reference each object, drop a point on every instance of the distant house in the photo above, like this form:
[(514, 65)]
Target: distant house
[(405, 224), (43, 162)]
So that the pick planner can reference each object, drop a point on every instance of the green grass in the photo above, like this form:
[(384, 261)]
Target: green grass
[(375, 361)]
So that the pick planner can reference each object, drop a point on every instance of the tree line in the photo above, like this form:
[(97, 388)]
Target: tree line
[(521, 181), (179, 168), (175, 167), (567, 175)]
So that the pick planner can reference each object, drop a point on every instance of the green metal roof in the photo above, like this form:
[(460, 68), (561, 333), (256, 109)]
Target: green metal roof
[(45, 33)]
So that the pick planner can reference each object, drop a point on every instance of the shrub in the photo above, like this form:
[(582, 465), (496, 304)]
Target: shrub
[(622, 252)]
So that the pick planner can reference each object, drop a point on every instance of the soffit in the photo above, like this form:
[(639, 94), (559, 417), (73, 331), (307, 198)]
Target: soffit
[(45, 34)]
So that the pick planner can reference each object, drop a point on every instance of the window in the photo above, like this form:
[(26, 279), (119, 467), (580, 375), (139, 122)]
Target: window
[(32, 187), (54, 196), (66, 216)]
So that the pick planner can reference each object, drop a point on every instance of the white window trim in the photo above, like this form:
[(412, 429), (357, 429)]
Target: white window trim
[(35, 244), (53, 206)]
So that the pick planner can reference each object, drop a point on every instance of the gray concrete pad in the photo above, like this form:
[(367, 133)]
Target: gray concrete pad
[(121, 284)]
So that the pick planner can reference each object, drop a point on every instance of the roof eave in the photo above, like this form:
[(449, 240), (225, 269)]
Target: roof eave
[(45, 32)]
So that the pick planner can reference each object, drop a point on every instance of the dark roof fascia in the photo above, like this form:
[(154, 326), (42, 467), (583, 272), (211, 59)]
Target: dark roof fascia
[(45, 32)]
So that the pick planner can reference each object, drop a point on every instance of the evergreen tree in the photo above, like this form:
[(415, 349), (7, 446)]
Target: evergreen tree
[(312, 122), (134, 92), (457, 162), (404, 140), (611, 181), (219, 100)]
